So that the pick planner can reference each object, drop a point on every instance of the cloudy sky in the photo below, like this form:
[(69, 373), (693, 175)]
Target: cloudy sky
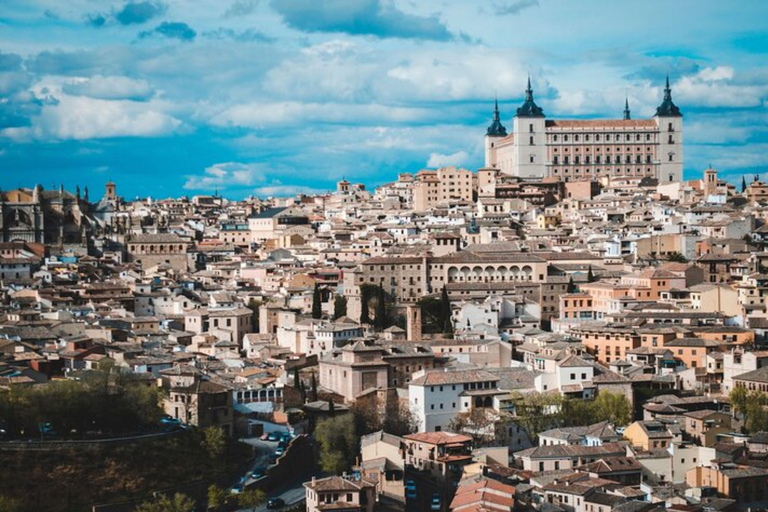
[(275, 97)]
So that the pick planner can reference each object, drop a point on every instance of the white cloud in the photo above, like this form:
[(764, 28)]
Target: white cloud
[(110, 88), (226, 175), (287, 113), (717, 87), (285, 190), (453, 160)]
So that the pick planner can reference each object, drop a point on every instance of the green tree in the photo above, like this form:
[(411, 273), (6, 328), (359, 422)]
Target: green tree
[(445, 313), (164, 503), (380, 320), (216, 497), (317, 308), (338, 442), (9, 504), (431, 315), (743, 184), (613, 407), (251, 498), (479, 424), (296, 379), (339, 307), (536, 412), (571, 287), (751, 406), (677, 257), (254, 305), (365, 299), (313, 384), (590, 275), (215, 443)]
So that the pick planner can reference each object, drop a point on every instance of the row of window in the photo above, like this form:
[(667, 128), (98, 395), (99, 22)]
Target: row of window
[(616, 137), (598, 159), (598, 171)]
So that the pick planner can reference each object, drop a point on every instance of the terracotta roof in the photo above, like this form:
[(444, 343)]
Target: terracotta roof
[(601, 123), (438, 438)]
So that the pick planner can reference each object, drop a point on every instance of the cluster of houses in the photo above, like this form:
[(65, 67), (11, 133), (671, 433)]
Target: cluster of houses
[(246, 311)]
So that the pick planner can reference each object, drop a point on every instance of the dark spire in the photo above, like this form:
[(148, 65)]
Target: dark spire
[(529, 107), (496, 129), (667, 107), (626, 109)]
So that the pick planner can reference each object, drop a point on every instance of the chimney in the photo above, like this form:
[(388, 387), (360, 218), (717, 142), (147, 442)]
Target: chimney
[(413, 323), (314, 480)]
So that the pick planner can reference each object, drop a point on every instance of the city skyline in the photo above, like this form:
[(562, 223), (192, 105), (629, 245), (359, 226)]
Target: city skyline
[(275, 98)]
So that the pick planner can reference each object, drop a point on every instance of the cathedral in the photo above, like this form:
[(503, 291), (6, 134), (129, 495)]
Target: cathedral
[(587, 149), (54, 217)]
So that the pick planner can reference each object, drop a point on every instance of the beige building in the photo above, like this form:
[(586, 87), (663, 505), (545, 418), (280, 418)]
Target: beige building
[(342, 493), (588, 149), (441, 186), (358, 368), (151, 250), (443, 454), (270, 223)]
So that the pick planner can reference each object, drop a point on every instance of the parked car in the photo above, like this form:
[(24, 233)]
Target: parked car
[(273, 436), (410, 493), (264, 436), (258, 473), (274, 503), (279, 451), (237, 488), (410, 483), (436, 503)]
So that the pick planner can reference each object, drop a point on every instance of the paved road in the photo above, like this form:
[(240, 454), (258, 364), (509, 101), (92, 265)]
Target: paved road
[(262, 451), (292, 492)]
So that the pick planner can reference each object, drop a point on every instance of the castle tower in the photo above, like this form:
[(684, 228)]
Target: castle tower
[(110, 192), (530, 139), (670, 125), (495, 132)]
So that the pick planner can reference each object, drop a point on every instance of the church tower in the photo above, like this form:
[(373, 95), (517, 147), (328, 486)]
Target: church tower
[(495, 132), (110, 192), (530, 139), (670, 125)]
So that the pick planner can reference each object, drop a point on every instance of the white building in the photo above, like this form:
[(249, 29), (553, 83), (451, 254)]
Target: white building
[(436, 397), (585, 149)]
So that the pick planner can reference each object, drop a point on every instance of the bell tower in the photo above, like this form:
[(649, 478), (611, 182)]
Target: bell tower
[(669, 121), (110, 192), (530, 139)]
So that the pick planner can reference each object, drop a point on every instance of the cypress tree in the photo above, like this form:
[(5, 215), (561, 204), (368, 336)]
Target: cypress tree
[(331, 408), (381, 311), (365, 316), (590, 275), (445, 312), (317, 310), (743, 184), (313, 384), (571, 287)]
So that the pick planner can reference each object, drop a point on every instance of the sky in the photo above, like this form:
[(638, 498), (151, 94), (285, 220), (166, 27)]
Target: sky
[(278, 97)]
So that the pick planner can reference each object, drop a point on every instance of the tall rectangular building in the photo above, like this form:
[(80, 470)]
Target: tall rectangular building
[(588, 149)]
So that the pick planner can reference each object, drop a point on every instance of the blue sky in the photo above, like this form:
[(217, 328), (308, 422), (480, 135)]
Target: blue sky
[(275, 97)]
